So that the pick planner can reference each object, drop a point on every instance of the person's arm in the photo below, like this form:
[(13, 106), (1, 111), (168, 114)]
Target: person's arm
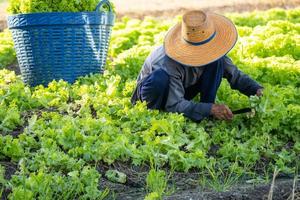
[(240, 81), (177, 103)]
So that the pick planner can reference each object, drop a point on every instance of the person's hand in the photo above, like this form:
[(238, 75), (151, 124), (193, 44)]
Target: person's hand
[(259, 92), (221, 112)]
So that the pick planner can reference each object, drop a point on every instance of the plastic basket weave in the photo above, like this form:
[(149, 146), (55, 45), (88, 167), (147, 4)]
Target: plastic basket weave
[(61, 45)]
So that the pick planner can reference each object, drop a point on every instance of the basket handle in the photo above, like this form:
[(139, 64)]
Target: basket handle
[(104, 2)]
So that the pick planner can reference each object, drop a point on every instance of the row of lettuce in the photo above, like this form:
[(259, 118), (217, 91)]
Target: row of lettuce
[(58, 135)]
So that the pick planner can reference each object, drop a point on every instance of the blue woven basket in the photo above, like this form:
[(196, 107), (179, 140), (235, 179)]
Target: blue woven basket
[(61, 45)]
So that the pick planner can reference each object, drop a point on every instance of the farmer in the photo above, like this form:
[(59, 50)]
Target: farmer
[(193, 60)]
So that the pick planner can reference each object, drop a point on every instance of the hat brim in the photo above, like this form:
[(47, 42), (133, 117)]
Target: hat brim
[(185, 53)]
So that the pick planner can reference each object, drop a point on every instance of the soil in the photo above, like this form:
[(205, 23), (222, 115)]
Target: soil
[(14, 67), (10, 169), (144, 6), (187, 186), (171, 8), (283, 190), (221, 7), (15, 133)]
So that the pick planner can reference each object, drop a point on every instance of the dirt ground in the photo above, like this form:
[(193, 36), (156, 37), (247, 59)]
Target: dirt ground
[(159, 5), (170, 8), (282, 191), (167, 8), (188, 187), (185, 185)]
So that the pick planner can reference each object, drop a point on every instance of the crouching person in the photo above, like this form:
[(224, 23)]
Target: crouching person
[(193, 60)]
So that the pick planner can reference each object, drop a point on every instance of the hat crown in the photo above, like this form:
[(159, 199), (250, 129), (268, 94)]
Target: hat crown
[(197, 27), (194, 18)]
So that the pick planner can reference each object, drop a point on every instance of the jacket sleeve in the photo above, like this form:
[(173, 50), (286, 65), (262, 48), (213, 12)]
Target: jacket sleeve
[(238, 80), (177, 103)]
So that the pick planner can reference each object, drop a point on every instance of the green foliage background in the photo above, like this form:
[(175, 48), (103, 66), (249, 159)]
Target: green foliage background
[(69, 129)]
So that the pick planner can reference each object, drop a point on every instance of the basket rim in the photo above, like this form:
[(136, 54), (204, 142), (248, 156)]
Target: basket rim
[(61, 13), (60, 18)]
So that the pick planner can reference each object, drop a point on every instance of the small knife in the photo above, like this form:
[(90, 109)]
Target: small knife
[(241, 111)]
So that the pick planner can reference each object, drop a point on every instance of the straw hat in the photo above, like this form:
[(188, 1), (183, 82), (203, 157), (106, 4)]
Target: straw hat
[(201, 38)]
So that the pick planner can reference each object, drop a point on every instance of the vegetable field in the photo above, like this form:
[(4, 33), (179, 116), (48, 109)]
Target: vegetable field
[(85, 140)]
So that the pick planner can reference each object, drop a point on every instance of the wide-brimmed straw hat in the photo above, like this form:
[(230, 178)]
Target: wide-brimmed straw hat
[(201, 38)]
